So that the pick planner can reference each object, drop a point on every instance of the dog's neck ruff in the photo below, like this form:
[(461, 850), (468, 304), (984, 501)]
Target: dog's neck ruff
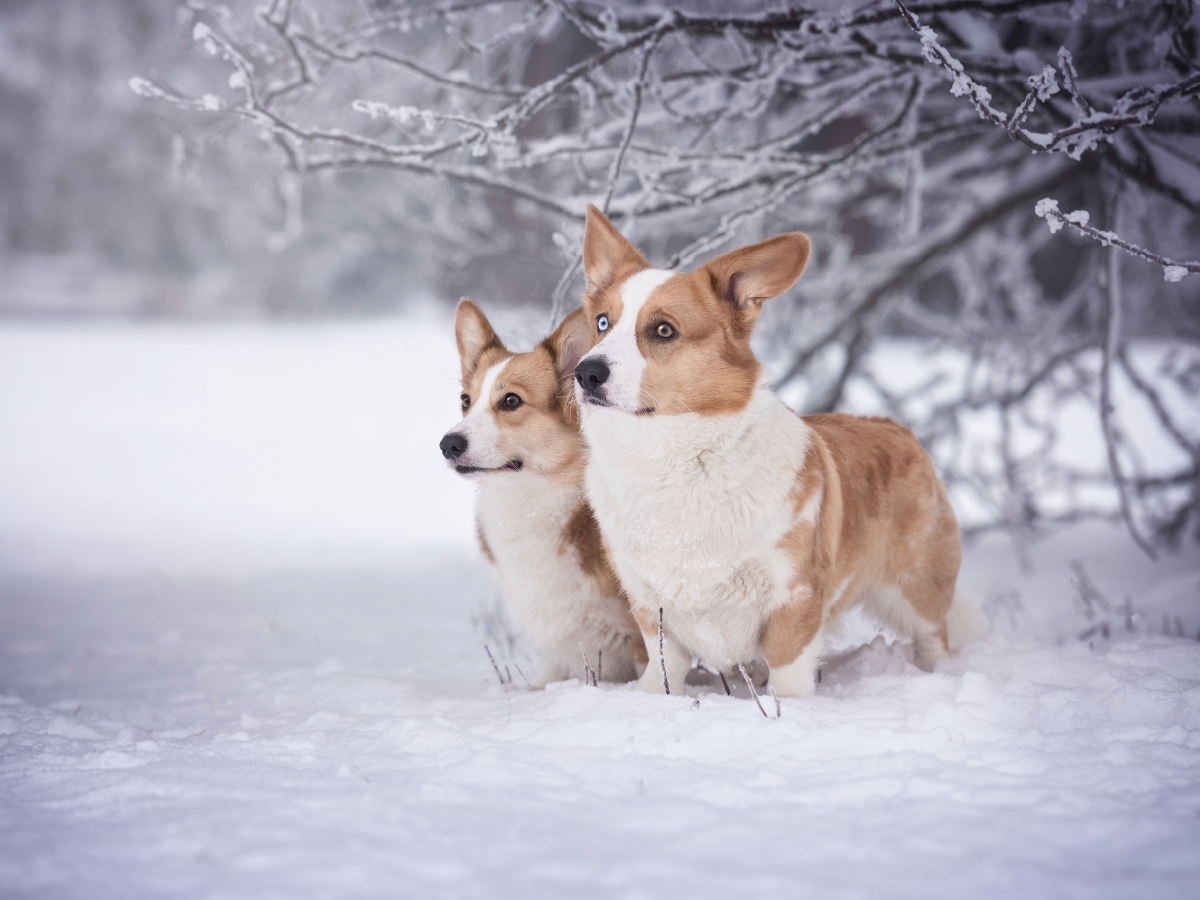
[(673, 441)]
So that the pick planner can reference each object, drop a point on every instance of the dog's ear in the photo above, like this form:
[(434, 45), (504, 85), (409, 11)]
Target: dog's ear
[(474, 335), (607, 256), (746, 277), (569, 341)]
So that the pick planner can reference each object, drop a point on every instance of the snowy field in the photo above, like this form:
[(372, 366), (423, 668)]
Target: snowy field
[(241, 656)]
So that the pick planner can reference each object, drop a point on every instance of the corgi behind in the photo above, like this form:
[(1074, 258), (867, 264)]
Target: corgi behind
[(751, 528), (519, 439)]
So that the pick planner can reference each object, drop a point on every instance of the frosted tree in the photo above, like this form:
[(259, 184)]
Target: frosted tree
[(925, 146)]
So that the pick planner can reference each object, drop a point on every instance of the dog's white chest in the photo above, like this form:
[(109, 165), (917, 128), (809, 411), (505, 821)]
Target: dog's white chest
[(694, 510), (524, 531)]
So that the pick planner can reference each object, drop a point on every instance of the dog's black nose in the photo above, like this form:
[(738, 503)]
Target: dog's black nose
[(591, 373), (453, 445)]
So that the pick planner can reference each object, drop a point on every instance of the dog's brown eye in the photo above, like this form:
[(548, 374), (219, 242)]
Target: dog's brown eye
[(466, 402), (511, 401), (664, 331)]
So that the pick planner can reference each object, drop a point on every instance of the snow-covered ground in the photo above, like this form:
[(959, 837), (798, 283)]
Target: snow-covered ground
[(241, 655)]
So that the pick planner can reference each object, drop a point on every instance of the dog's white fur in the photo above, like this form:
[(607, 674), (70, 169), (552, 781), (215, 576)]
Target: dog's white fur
[(693, 509), (551, 601)]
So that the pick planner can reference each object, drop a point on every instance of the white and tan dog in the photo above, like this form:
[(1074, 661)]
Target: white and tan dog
[(519, 438), (751, 528)]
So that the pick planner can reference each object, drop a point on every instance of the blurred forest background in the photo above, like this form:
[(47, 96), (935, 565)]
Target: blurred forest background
[(1002, 195)]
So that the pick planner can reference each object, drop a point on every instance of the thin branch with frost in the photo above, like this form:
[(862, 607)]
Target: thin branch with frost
[(1138, 107), (753, 692), (778, 705), (662, 659), (495, 667), (1078, 220), (589, 675), (523, 676)]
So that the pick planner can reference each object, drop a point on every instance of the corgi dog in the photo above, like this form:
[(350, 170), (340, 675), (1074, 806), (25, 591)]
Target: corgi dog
[(751, 528), (519, 438)]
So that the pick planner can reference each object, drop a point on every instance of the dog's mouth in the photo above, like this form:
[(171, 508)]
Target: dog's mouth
[(593, 400), (513, 465)]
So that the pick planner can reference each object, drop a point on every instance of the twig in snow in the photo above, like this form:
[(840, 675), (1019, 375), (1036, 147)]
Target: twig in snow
[(524, 677), (599, 664), (499, 677), (713, 670), (753, 692), (589, 675), (662, 659), (1089, 595), (778, 706)]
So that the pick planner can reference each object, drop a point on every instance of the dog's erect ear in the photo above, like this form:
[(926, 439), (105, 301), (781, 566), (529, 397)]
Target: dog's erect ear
[(569, 341), (746, 277), (606, 254), (474, 335)]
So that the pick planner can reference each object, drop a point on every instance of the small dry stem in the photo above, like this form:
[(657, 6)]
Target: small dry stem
[(753, 692), (662, 659), (495, 667)]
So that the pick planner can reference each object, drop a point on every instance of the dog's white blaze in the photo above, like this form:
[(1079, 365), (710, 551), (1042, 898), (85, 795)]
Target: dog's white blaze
[(479, 425), (625, 362)]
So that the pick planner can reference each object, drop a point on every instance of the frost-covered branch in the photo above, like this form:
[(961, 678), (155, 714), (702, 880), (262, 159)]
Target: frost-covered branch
[(1078, 221), (1137, 107), (471, 136)]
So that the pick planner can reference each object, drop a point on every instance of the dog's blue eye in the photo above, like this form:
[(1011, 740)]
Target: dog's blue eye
[(602, 323)]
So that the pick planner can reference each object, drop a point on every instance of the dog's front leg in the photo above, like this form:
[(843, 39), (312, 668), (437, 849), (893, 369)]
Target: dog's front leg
[(792, 644)]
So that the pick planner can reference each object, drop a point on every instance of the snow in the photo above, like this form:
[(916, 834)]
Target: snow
[(1174, 274), (241, 655), (1046, 84), (1048, 209)]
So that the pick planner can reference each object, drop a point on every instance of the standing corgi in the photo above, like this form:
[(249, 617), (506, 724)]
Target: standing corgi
[(751, 528), (519, 438)]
